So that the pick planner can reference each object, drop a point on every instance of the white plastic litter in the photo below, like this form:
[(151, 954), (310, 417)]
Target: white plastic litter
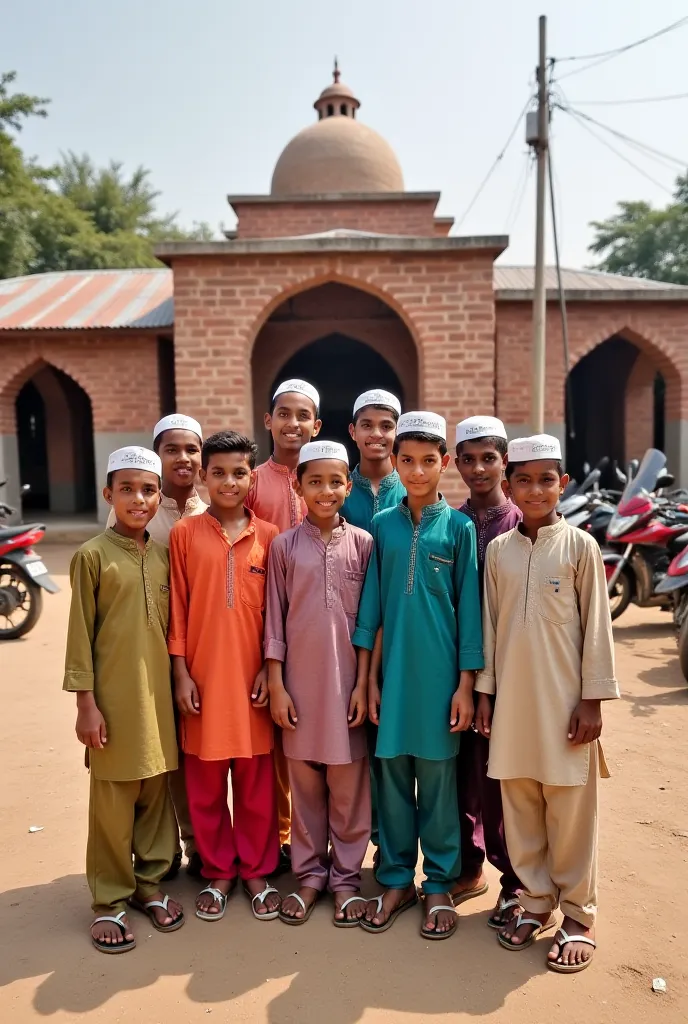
[(659, 985), (36, 828)]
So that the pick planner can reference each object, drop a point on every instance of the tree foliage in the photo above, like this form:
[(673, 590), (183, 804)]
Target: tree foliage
[(73, 215), (641, 241)]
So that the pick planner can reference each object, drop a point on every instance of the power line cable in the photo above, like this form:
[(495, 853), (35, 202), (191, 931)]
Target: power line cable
[(519, 194), (605, 55), (642, 146), (621, 103)]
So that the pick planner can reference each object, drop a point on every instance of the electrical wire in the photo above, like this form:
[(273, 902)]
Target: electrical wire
[(519, 194), (641, 146), (605, 55), (622, 103), (496, 162)]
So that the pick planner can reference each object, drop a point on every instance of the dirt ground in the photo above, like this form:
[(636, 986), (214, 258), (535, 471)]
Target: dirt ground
[(243, 970)]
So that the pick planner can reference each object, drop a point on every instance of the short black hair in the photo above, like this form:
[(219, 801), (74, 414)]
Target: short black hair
[(301, 469), (498, 443), (381, 408), (511, 467), (420, 435), (229, 441)]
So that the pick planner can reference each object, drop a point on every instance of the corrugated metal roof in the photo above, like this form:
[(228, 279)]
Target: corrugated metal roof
[(519, 279), (78, 299)]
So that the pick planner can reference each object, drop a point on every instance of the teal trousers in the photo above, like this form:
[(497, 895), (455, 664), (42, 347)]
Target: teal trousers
[(417, 801)]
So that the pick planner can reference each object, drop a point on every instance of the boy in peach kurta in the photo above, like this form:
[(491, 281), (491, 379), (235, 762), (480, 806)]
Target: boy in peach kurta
[(218, 565)]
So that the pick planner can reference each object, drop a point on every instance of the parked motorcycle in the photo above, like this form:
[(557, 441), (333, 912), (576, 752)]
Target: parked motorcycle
[(675, 586), (643, 536), (23, 577)]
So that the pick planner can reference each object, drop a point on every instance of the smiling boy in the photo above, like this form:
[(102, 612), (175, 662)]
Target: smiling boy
[(549, 661)]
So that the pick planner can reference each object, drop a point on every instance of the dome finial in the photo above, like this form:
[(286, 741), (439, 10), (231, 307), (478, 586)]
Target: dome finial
[(336, 74)]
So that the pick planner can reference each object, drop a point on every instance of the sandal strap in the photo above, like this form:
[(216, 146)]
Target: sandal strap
[(503, 904), (217, 894), (295, 895), (156, 903), (436, 910), (352, 899), (112, 920), (528, 920), (574, 938), (262, 896)]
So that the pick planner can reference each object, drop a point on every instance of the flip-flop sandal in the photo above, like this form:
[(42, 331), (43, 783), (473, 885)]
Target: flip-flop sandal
[(494, 920), (147, 909), (111, 947), (307, 910), (348, 922), (271, 914), (432, 934), (469, 894), (219, 897), (537, 930), (368, 926), (554, 965)]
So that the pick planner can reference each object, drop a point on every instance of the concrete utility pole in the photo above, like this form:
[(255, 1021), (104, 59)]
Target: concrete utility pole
[(539, 295)]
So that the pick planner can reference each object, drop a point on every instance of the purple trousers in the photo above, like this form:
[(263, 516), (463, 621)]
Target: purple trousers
[(480, 813)]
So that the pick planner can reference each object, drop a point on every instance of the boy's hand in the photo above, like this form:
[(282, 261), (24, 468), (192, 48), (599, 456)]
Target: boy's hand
[(483, 715), (90, 725), (282, 708), (586, 723), (461, 714), (374, 698), (358, 706), (186, 695), (260, 694)]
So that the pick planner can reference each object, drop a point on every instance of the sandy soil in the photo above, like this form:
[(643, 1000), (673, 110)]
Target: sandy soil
[(241, 970)]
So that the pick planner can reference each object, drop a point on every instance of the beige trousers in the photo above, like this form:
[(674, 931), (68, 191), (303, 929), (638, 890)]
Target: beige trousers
[(132, 836), (551, 835)]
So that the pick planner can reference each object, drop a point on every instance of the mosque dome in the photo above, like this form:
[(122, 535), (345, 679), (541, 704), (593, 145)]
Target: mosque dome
[(337, 153)]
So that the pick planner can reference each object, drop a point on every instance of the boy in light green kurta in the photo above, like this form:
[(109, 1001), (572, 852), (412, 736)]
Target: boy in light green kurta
[(118, 665), (422, 588)]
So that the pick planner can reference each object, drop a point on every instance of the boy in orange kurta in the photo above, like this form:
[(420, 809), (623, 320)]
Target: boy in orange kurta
[(218, 564)]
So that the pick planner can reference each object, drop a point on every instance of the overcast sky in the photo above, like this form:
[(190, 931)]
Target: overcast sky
[(207, 93)]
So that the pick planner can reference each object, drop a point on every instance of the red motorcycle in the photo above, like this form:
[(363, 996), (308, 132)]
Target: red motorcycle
[(23, 577), (675, 585), (643, 537)]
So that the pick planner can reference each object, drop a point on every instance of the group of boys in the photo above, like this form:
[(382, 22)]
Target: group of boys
[(324, 630)]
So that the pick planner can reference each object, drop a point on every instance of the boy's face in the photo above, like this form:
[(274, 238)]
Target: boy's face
[(535, 487), (324, 486), (135, 497), (293, 421), (420, 466), (227, 479), (480, 466), (374, 432), (180, 451)]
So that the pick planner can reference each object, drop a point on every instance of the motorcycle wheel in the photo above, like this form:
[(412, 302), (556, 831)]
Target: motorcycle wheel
[(21, 602), (622, 595), (683, 648)]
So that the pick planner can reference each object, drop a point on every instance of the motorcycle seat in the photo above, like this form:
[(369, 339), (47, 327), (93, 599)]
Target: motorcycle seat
[(8, 532)]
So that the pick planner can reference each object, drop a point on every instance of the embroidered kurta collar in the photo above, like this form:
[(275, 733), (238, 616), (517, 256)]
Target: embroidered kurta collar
[(171, 505), (429, 511), (545, 532), (391, 480), (277, 467), (215, 523), (314, 531), (126, 543), (493, 512)]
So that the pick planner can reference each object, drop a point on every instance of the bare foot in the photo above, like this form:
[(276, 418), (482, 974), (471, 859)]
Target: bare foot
[(110, 934), (568, 954), (390, 901), (467, 884), (354, 912), (209, 904), (292, 907), (163, 917), (518, 935), (441, 921), (272, 901)]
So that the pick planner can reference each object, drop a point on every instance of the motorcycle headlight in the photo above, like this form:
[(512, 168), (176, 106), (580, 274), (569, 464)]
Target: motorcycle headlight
[(620, 524)]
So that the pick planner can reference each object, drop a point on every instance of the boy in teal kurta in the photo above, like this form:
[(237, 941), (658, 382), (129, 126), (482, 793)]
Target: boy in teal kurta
[(422, 589)]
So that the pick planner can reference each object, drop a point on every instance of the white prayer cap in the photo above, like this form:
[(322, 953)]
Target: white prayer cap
[(479, 426), (323, 450), (134, 457), (531, 449), (177, 422), (301, 387), (422, 422), (378, 397)]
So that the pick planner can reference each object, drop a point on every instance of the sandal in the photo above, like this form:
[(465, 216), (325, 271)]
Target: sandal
[(307, 910), (271, 914), (469, 894), (348, 922), (368, 926), (110, 947), (554, 965), (219, 897), (432, 934), (147, 909), (495, 919), (538, 929)]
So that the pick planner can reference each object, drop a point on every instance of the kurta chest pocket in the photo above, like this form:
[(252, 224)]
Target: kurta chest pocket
[(162, 596), (557, 599), (351, 584), (438, 573), (253, 586)]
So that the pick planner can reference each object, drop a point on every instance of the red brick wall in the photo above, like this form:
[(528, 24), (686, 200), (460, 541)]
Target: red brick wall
[(119, 373), (280, 220)]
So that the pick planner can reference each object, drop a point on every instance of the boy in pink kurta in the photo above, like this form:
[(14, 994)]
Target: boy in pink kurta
[(315, 576)]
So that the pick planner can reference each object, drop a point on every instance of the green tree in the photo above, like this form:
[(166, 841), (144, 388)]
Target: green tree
[(641, 241)]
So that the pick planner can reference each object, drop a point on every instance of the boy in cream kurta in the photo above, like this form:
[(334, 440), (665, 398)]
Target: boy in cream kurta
[(549, 658)]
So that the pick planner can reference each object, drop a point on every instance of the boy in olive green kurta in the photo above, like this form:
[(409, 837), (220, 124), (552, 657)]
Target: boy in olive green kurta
[(118, 665)]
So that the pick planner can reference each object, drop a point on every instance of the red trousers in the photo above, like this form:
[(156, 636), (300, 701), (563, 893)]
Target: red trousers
[(248, 846)]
